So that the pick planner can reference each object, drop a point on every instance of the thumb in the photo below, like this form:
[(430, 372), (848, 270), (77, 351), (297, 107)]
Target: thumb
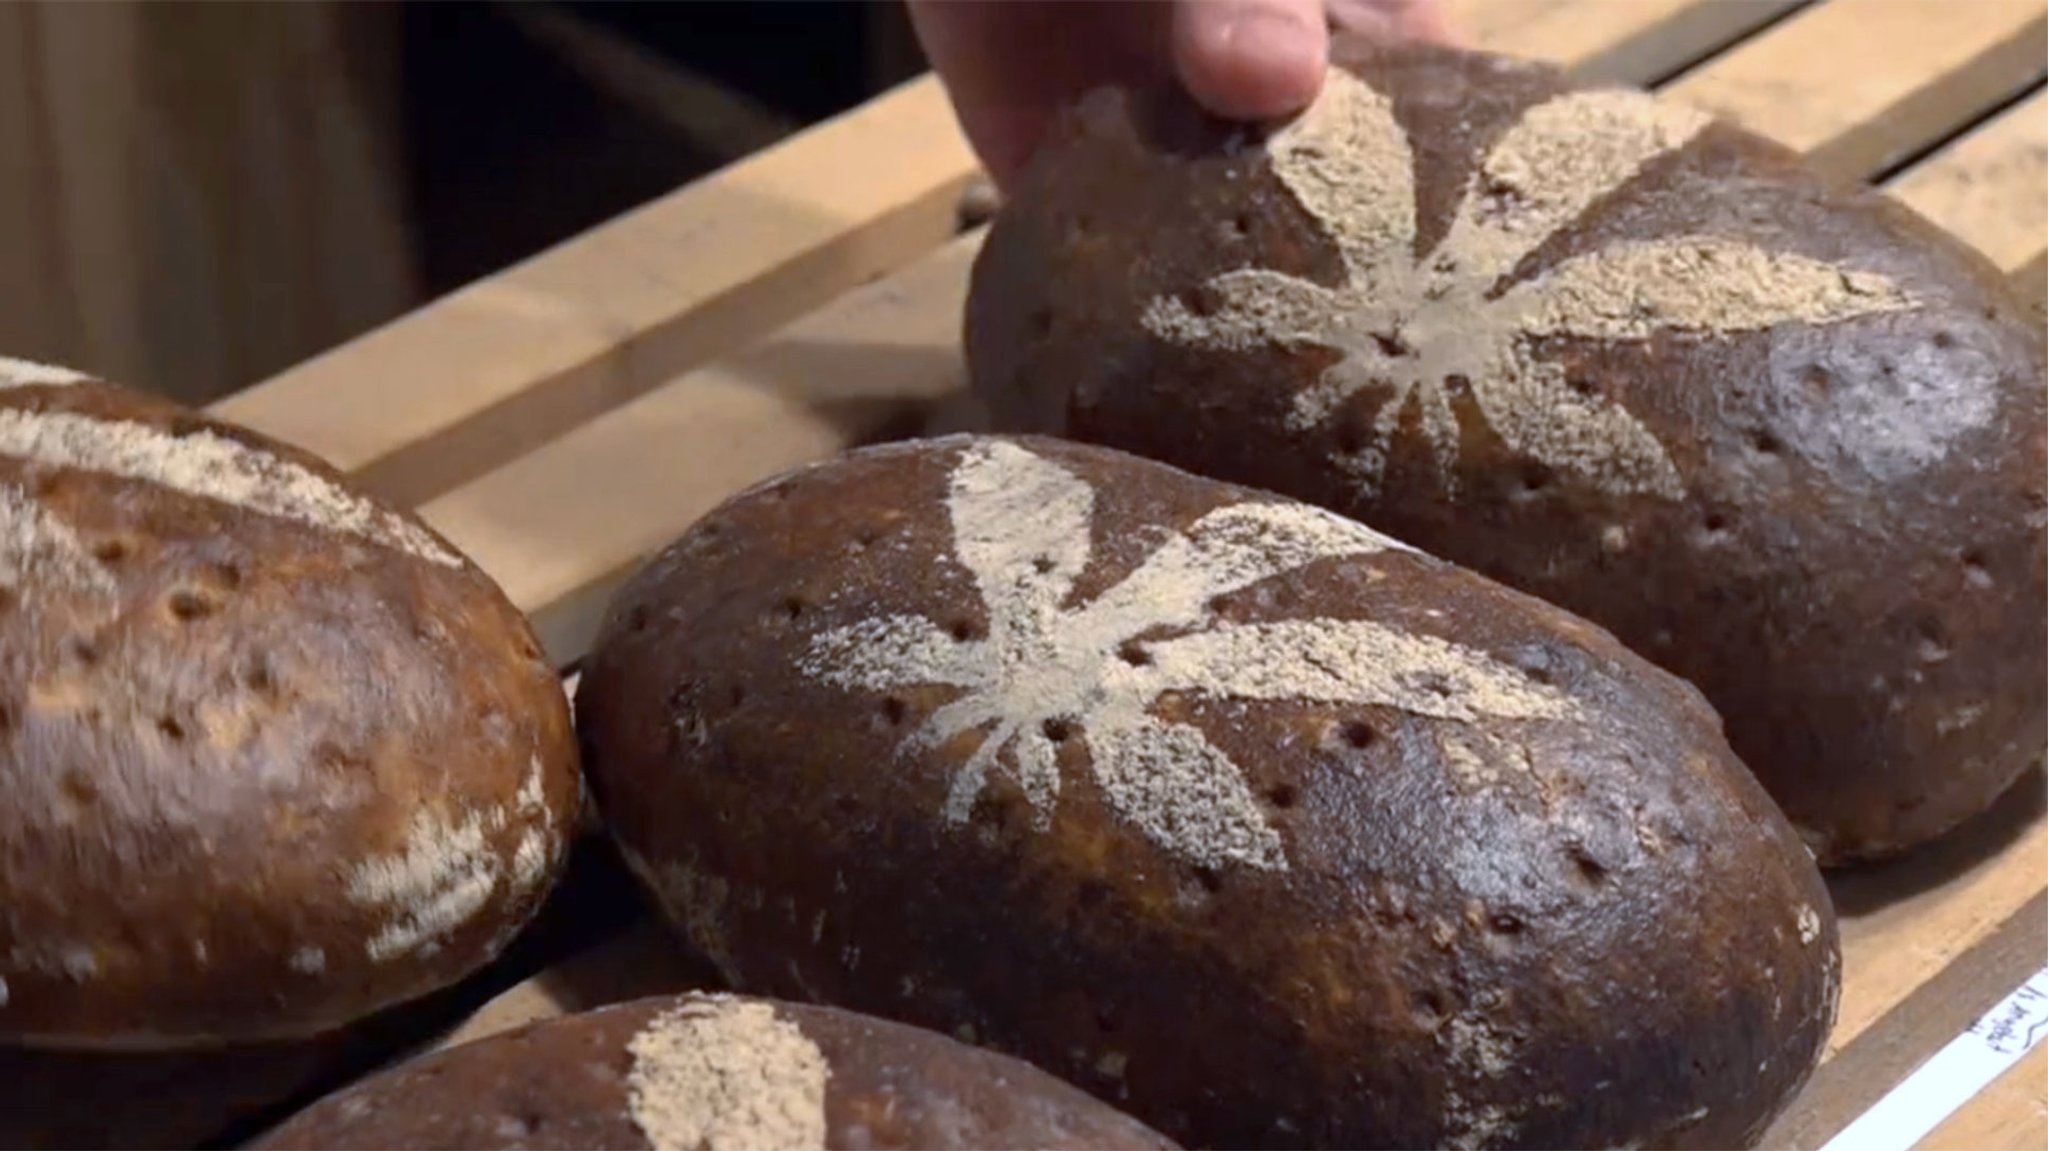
[(1251, 59)]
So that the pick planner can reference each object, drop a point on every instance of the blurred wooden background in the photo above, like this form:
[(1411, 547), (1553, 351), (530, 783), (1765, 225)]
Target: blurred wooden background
[(196, 195)]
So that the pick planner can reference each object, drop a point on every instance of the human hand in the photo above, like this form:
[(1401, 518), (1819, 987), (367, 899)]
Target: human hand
[(1010, 64)]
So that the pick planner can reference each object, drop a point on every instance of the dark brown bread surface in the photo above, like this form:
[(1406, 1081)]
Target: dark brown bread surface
[(711, 1071), (1787, 442), (1249, 820), (275, 757)]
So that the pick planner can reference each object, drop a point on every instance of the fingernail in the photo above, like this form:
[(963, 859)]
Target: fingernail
[(1278, 46), (1366, 17)]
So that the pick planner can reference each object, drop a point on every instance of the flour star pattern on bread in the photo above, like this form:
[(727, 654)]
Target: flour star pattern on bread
[(1021, 527), (1406, 324)]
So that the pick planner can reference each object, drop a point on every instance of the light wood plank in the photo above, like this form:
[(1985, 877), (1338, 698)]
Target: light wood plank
[(562, 525), (493, 370), (1495, 23), (1632, 41), (1898, 939), (1929, 943), (1859, 85), (1991, 186), (2010, 1113), (643, 961)]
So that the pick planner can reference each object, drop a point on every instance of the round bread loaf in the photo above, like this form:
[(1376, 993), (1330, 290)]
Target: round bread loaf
[(276, 756), (1254, 822), (711, 1072), (1787, 442)]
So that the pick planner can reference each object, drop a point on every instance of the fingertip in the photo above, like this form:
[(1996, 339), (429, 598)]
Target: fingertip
[(1397, 21), (1251, 59)]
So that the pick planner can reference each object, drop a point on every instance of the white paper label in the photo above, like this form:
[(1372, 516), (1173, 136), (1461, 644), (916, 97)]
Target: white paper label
[(1933, 1092)]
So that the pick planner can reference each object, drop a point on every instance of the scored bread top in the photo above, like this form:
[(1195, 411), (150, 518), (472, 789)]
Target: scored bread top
[(1413, 318), (1786, 439), (1162, 783), (276, 754)]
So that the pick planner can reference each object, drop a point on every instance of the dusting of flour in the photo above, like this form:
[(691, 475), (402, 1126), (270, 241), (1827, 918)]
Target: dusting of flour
[(209, 466), (723, 1074), (448, 869), (28, 374), (37, 551)]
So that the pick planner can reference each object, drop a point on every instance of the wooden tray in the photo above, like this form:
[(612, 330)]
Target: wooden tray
[(565, 418)]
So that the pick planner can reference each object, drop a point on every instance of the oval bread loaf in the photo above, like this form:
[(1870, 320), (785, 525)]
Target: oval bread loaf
[(711, 1072), (276, 756), (1252, 821), (1786, 441)]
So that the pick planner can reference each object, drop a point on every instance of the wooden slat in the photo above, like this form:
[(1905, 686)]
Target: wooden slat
[(642, 961), (1929, 943), (1859, 85), (1494, 23), (488, 373), (2011, 1112), (1899, 937), (559, 527), (1991, 186), (1636, 41)]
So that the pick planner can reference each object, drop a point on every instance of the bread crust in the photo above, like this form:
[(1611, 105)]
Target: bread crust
[(276, 755), (1255, 823)]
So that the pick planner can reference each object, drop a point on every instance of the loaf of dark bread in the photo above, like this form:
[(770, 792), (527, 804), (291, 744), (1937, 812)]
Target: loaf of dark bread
[(1256, 823), (275, 756), (1785, 441), (711, 1071)]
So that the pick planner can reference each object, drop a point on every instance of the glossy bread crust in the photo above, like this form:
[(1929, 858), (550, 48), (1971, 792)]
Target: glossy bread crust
[(275, 757), (1787, 441), (569, 1084), (1339, 845)]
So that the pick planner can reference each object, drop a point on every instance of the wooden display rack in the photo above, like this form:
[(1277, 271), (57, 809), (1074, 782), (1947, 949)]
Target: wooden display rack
[(563, 419)]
